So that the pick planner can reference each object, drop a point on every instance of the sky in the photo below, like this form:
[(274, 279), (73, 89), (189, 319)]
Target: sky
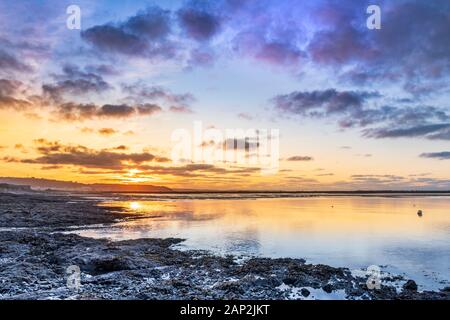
[(355, 108)]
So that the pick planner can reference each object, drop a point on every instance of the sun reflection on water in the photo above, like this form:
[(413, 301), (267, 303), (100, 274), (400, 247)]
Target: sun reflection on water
[(135, 205)]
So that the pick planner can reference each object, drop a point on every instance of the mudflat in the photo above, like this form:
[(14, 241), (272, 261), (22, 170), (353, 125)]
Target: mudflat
[(35, 253)]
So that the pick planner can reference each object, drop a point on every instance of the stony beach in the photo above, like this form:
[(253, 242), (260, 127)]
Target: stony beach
[(36, 250)]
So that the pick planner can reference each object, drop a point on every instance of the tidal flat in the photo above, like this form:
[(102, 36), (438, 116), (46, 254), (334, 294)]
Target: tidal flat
[(37, 246)]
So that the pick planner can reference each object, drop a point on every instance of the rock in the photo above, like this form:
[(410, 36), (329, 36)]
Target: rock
[(328, 288), (410, 285), (419, 213), (289, 281), (106, 265), (305, 292)]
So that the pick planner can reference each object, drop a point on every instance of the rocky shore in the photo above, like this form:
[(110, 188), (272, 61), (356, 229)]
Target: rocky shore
[(35, 254)]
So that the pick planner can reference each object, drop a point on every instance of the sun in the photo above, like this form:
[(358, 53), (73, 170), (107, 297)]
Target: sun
[(135, 205)]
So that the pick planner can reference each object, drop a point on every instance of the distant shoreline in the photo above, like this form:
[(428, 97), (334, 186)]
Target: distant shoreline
[(359, 192)]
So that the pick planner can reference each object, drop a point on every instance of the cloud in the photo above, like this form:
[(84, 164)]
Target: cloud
[(377, 178), (300, 158), (75, 82), (246, 144), (198, 24), (9, 89), (258, 47), (71, 111), (342, 40), (148, 109), (325, 174), (437, 131), (55, 153), (107, 131), (115, 111), (144, 34), (444, 155), (196, 170), (321, 102), (180, 109), (353, 109), (245, 116), (141, 92), (9, 62)]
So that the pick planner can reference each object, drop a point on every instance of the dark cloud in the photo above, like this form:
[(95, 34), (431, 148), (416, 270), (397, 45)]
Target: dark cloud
[(445, 155), (114, 39), (431, 131), (246, 144), (141, 92), (9, 87), (326, 33), (377, 178), (9, 92), (300, 158), (145, 34), (9, 62), (388, 54), (55, 153), (148, 108), (115, 111), (322, 102), (352, 109), (196, 170), (107, 131), (74, 81), (78, 112), (102, 69), (198, 23), (257, 46), (341, 45)]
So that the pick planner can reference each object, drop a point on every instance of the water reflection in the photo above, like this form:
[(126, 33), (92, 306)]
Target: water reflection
[(135, 205), (341, 231)]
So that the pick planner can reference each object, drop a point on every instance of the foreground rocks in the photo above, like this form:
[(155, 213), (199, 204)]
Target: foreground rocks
[(34, 259)]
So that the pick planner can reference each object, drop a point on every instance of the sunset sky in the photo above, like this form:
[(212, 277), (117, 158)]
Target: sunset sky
[(355, 108)]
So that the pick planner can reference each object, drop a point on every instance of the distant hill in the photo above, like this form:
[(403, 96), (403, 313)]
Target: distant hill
[(6, 187), (42, 184)]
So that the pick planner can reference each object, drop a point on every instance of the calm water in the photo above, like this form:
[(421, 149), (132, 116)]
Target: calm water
[(348, 231)]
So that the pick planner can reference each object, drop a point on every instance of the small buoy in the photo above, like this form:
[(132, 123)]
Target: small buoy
[(419, 213)]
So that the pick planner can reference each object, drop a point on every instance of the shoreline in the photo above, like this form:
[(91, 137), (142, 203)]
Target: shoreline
[(34, 258)]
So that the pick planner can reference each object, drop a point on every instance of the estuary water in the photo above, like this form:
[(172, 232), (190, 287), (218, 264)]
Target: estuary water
[(342, 231)]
